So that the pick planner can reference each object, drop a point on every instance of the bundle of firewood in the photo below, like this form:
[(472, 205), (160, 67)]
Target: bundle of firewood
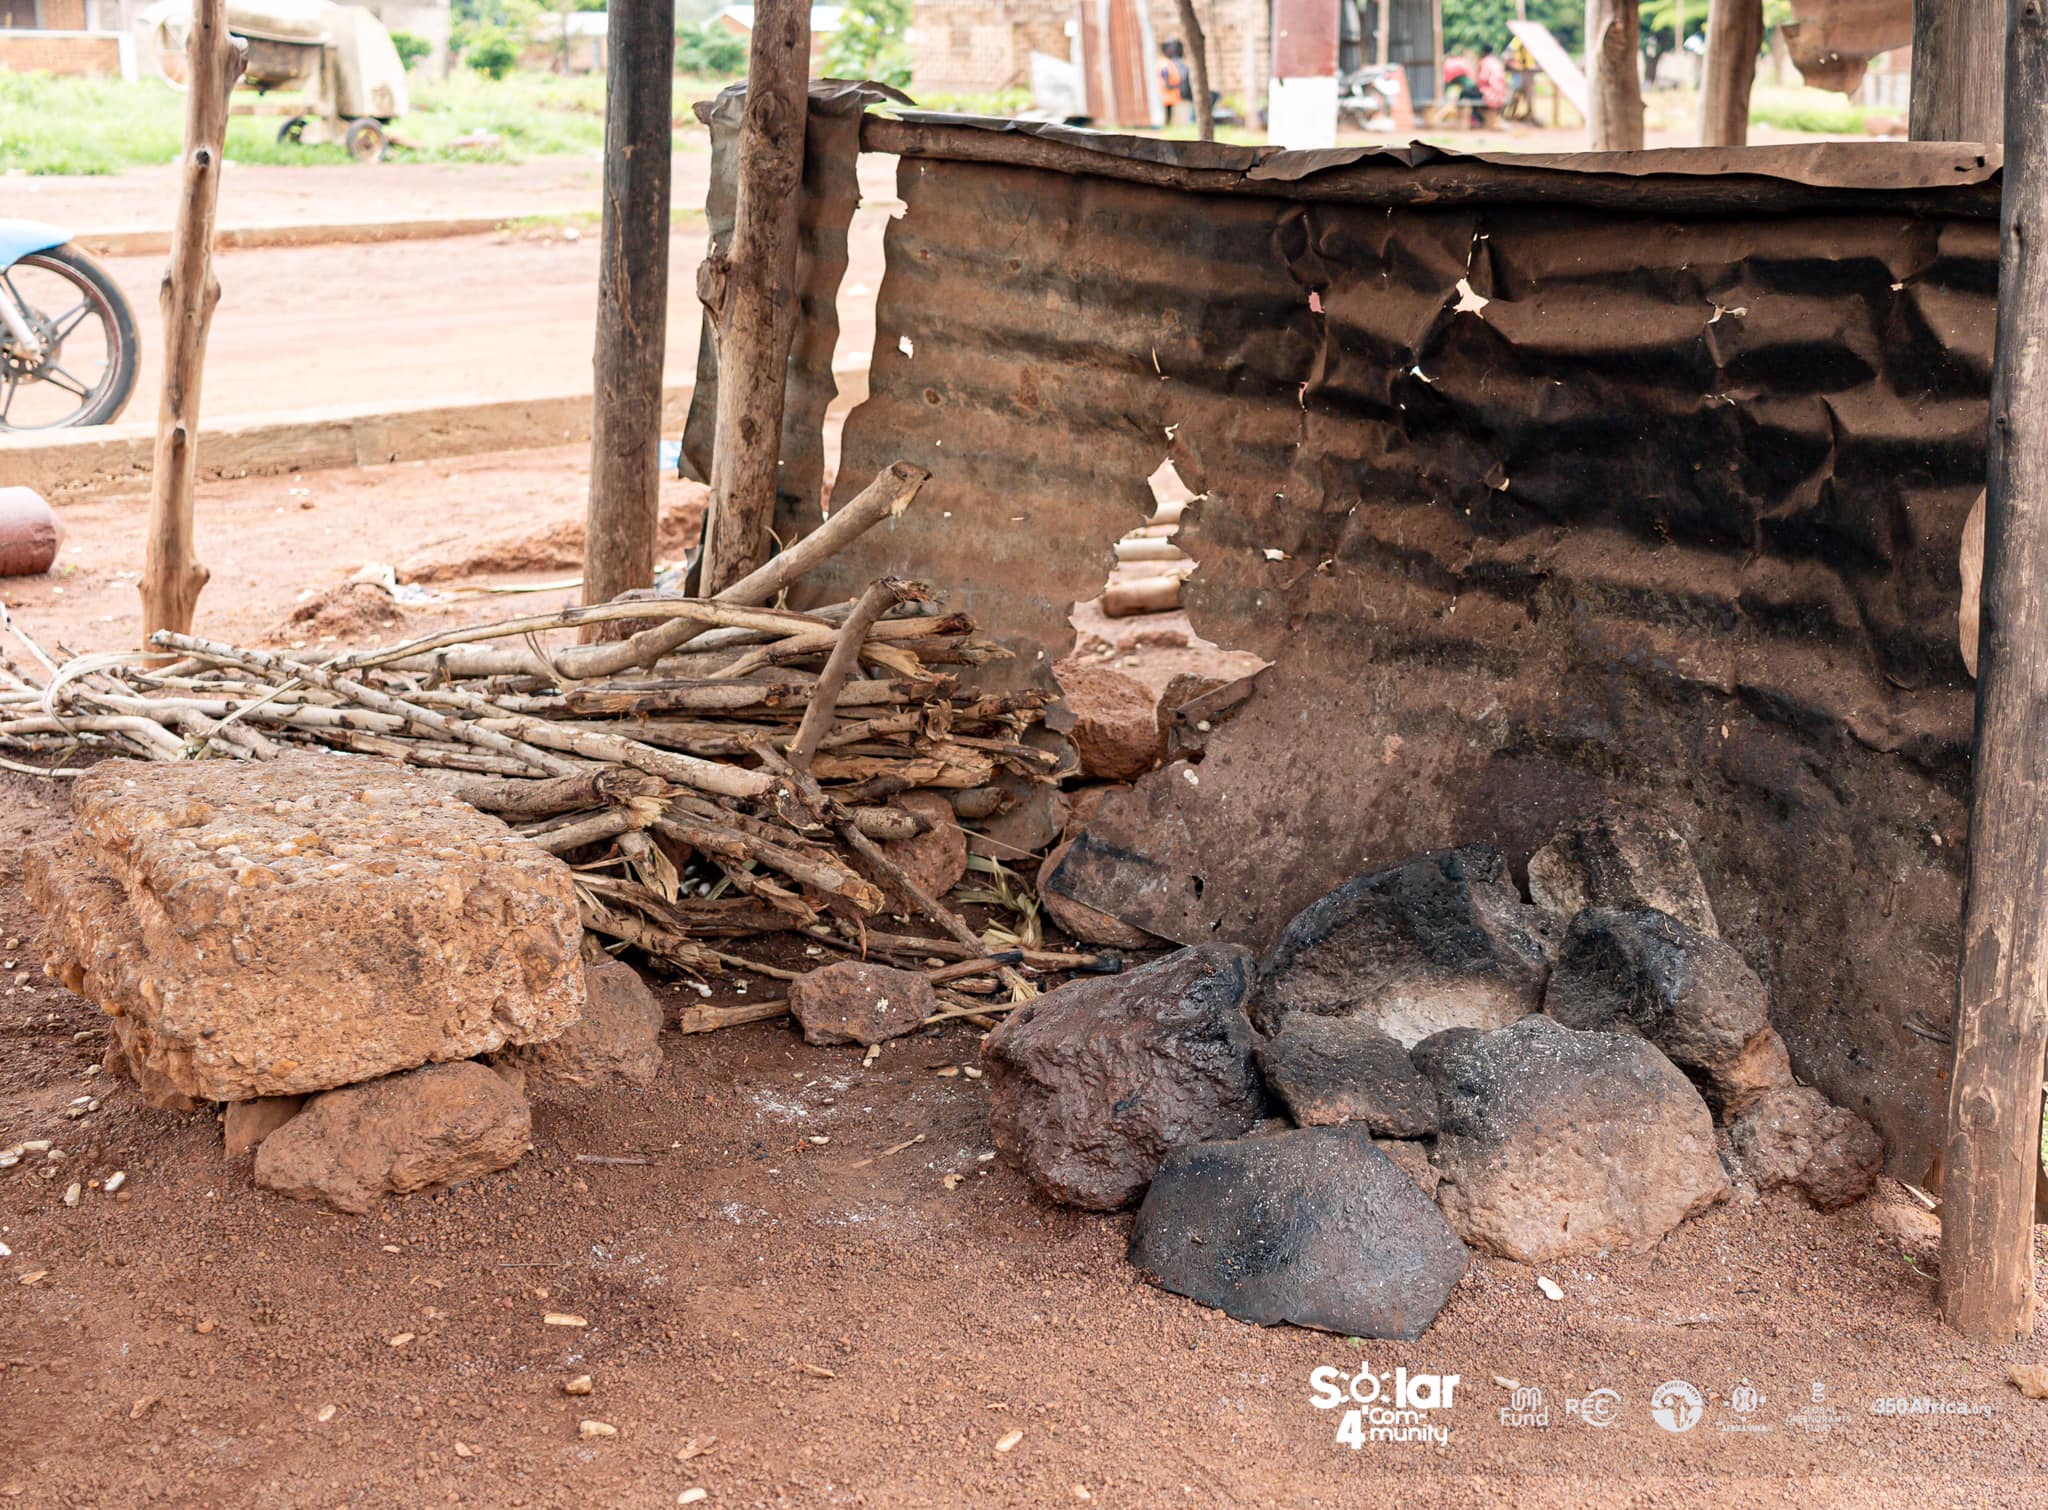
[(721, 771)]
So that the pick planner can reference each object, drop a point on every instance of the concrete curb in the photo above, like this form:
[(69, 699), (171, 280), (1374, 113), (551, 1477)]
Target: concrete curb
[(105, 459), (156, 241)]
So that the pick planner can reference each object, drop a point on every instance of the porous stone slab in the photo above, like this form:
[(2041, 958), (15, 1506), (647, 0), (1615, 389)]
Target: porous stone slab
[(1689, 993), (1796, 1137), (275, 928), (1316, 1227), (617, 1040), (1555, 1142), (1439, 942), (1617, 858), (1116, 722), (420, 1130), (1091, 1085)]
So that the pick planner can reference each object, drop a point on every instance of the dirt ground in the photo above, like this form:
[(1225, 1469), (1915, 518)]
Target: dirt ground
[(782, 1313)]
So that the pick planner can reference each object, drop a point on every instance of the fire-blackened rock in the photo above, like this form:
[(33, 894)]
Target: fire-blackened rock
[(419, 1130), (1686, 991), (1620, 859), (1796, 1137), (1092, 1084), (1316, 1227), (1556, 1142), (1327, 1070), (1443, 941)]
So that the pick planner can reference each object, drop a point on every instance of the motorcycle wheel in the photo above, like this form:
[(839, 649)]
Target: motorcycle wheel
[(85, 323)]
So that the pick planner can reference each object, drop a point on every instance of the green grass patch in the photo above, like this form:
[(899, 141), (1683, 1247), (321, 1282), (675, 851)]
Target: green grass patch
[(64, 125), (1819, 111)]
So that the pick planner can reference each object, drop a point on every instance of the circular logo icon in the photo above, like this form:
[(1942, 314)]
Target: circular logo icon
[(1746, 1399), (1676, 1406), (1600, 1408)]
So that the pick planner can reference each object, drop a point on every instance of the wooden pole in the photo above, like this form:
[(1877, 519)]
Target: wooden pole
[(1197, 42), (1735, 33), (1383, 30), (1614, 91), (624, 506), (171, 574), (1959, 64), (750, 290), (2001, 1030)]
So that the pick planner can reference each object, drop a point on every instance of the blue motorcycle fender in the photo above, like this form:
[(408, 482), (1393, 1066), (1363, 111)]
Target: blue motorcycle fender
[(18, 238)]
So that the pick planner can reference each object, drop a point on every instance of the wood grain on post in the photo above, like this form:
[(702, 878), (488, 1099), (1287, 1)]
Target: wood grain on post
[(750, 291), (171, 574), (2001, 1029), (1735, 33), (624, 507), (1614, 90), (1958, 71), (1197, 43)]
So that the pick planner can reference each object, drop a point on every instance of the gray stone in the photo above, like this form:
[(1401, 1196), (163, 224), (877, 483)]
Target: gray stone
[(1091, 1085), (1620, 859), (1316, 1227), (1556, 1142), (1795, 1137), (1327, 1070), (1442, 941), (1686, 991)]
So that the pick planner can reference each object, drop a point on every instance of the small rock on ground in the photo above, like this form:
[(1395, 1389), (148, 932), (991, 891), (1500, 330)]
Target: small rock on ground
[(1088, 924), (1116, 722), (856, 1002), (1686, 991), (1091, 1085), (1621, 859), (1314, 1227), (616, 1041), (1441, 941), (418, 1130), (1796, 1137), (1327, 1070), (937, 858), (1556, 1142)]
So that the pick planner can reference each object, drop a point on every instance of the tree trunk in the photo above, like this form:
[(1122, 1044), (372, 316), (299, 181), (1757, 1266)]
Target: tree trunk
[(624, 507), (1958, 71), (171, 573), (2001, 1028), (750, 290), (1735, 33), (1197, 42), (1614, 93)]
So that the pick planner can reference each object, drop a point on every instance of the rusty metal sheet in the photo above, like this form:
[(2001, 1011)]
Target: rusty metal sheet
[(1531, 505)]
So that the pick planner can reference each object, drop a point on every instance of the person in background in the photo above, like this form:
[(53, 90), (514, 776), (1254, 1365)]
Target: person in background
[(1461, 87), (1174, 85), (1521, 105), (1493, 84)]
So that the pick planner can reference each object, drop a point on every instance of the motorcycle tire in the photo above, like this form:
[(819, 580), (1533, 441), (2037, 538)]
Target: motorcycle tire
[(125, 357)]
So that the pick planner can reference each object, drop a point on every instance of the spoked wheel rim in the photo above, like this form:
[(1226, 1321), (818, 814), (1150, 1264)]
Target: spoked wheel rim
[(80, 334)]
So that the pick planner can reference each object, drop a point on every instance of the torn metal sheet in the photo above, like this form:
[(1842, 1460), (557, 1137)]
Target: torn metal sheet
[(1539, 484)]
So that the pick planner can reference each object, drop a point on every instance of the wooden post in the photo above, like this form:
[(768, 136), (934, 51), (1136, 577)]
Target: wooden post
[(1735, 33), (1959, 64), (2001, 1028), (1382, 30), (1197, 42), (624, 507), (171, 574), (1614, 91), (750, 290)]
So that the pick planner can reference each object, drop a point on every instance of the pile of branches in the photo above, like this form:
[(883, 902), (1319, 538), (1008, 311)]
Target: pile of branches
[(721, 772)]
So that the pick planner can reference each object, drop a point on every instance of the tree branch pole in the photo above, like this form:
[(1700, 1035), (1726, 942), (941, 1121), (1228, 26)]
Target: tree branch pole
[(171, 574), (1614, 90), (1959, 61), (1735, 34), (1197, 42), (2001, 1029), (624, 507), (750, 291)]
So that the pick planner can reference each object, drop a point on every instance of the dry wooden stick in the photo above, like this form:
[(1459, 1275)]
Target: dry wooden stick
[(877, 599), (707, 1018)]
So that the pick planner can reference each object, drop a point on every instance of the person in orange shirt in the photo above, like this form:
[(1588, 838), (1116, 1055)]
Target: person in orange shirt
[(1174, 87)]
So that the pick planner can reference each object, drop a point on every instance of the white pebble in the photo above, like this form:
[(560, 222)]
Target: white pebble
[(1551, 1289)]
